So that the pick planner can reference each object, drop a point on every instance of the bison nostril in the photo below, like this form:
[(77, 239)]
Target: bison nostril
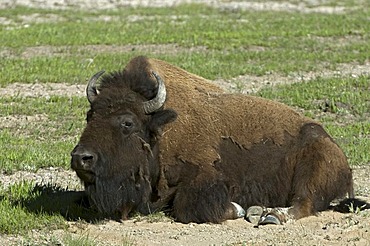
[(83, 159), (87, 160)]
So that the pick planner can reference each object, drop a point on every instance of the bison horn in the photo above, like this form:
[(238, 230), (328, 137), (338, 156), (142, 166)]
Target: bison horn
[(158, 101), (91, 91)]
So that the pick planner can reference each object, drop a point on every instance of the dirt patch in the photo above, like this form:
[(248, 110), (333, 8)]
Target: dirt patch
[(42, 90), (19, 122), (52, 51), (284, 6), (53, 176), (251, 84), (328, 228), (361, 179), (114, 49), (312, 6), (40, 18), (244, 83)]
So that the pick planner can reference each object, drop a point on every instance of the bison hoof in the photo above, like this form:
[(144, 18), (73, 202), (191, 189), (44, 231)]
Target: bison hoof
[(269, 219), (254, 214), (240, 212)]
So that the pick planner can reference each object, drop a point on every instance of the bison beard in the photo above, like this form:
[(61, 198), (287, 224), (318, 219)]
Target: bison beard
[(126, 188), (160, 137), (114, 196)]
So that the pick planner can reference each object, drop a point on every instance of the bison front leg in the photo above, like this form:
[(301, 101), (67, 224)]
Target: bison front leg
[(205, 198)]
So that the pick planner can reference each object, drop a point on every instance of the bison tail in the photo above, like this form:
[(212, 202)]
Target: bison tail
[(351, 205)]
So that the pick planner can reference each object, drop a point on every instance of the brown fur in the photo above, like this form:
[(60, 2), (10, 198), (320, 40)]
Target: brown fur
[(222, 148)]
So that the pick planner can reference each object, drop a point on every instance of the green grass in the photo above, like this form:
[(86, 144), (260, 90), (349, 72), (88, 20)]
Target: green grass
[(226, 44), (354, 138), (14, 218), (53, 106), (40, 143), (196, 25), (343, 95), (290, 41), (81, 240), (152, 218), (26, 153)]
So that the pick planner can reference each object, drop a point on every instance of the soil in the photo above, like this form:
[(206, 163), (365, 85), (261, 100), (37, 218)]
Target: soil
[(327, 228)]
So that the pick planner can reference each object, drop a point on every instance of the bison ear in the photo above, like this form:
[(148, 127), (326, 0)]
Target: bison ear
[(161, 118)]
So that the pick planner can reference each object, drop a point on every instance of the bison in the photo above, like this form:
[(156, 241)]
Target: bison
[(159, 138)]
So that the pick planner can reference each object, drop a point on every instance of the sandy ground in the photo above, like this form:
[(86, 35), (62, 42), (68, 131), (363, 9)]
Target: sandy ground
[(327, 228), (306, 6)]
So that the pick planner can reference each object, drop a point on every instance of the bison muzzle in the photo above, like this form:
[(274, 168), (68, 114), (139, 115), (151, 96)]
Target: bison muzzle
[(160, 138)]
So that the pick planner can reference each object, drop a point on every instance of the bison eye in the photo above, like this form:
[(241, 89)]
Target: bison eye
[(127, 123), (127, 126)]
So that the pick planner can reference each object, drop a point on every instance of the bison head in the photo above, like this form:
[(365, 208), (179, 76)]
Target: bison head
[(117, 155)]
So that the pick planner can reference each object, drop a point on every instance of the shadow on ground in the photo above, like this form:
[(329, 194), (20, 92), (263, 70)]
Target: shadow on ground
[(74, 205), (50, 199)]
